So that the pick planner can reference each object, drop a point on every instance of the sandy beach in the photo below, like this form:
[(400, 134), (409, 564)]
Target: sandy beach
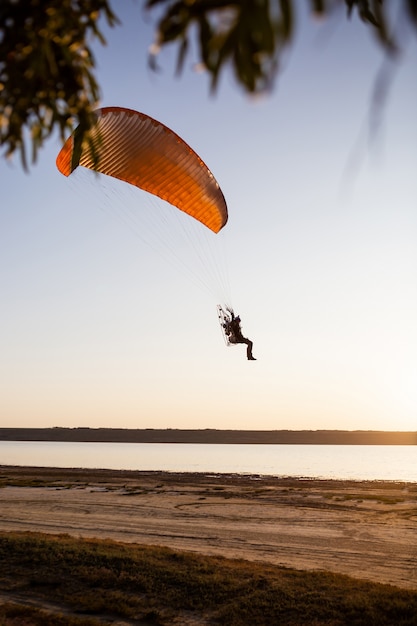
[(364, 529)]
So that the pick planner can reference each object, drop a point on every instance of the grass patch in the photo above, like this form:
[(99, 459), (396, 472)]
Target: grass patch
[(363, 497), (19, 615), (105, 578)]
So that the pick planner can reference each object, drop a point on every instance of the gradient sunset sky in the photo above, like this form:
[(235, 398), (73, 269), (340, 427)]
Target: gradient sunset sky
[(102, 327)]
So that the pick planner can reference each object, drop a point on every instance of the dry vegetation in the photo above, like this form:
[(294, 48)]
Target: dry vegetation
[(49, 579)]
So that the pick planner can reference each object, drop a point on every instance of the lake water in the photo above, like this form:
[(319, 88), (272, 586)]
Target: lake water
[(397, 463)]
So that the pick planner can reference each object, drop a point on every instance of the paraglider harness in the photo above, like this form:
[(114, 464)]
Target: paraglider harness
[(226, 319)]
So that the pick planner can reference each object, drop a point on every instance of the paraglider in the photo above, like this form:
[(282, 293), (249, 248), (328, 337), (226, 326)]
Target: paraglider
[(137, 149), (232, 332)]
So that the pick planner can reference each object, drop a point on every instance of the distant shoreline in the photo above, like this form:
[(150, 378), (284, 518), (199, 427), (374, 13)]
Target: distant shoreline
[(210, 436)]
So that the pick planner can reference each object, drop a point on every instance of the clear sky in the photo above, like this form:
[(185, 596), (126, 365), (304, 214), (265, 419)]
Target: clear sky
[(101, 328)]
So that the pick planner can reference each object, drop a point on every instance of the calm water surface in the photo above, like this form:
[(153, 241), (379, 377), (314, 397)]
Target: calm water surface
[(397, 463)]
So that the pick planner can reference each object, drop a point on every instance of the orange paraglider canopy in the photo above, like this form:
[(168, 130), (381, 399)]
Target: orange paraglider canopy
[(139, 150)]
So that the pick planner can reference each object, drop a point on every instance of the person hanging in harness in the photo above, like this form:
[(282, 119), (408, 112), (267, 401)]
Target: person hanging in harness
[(234, 334)]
